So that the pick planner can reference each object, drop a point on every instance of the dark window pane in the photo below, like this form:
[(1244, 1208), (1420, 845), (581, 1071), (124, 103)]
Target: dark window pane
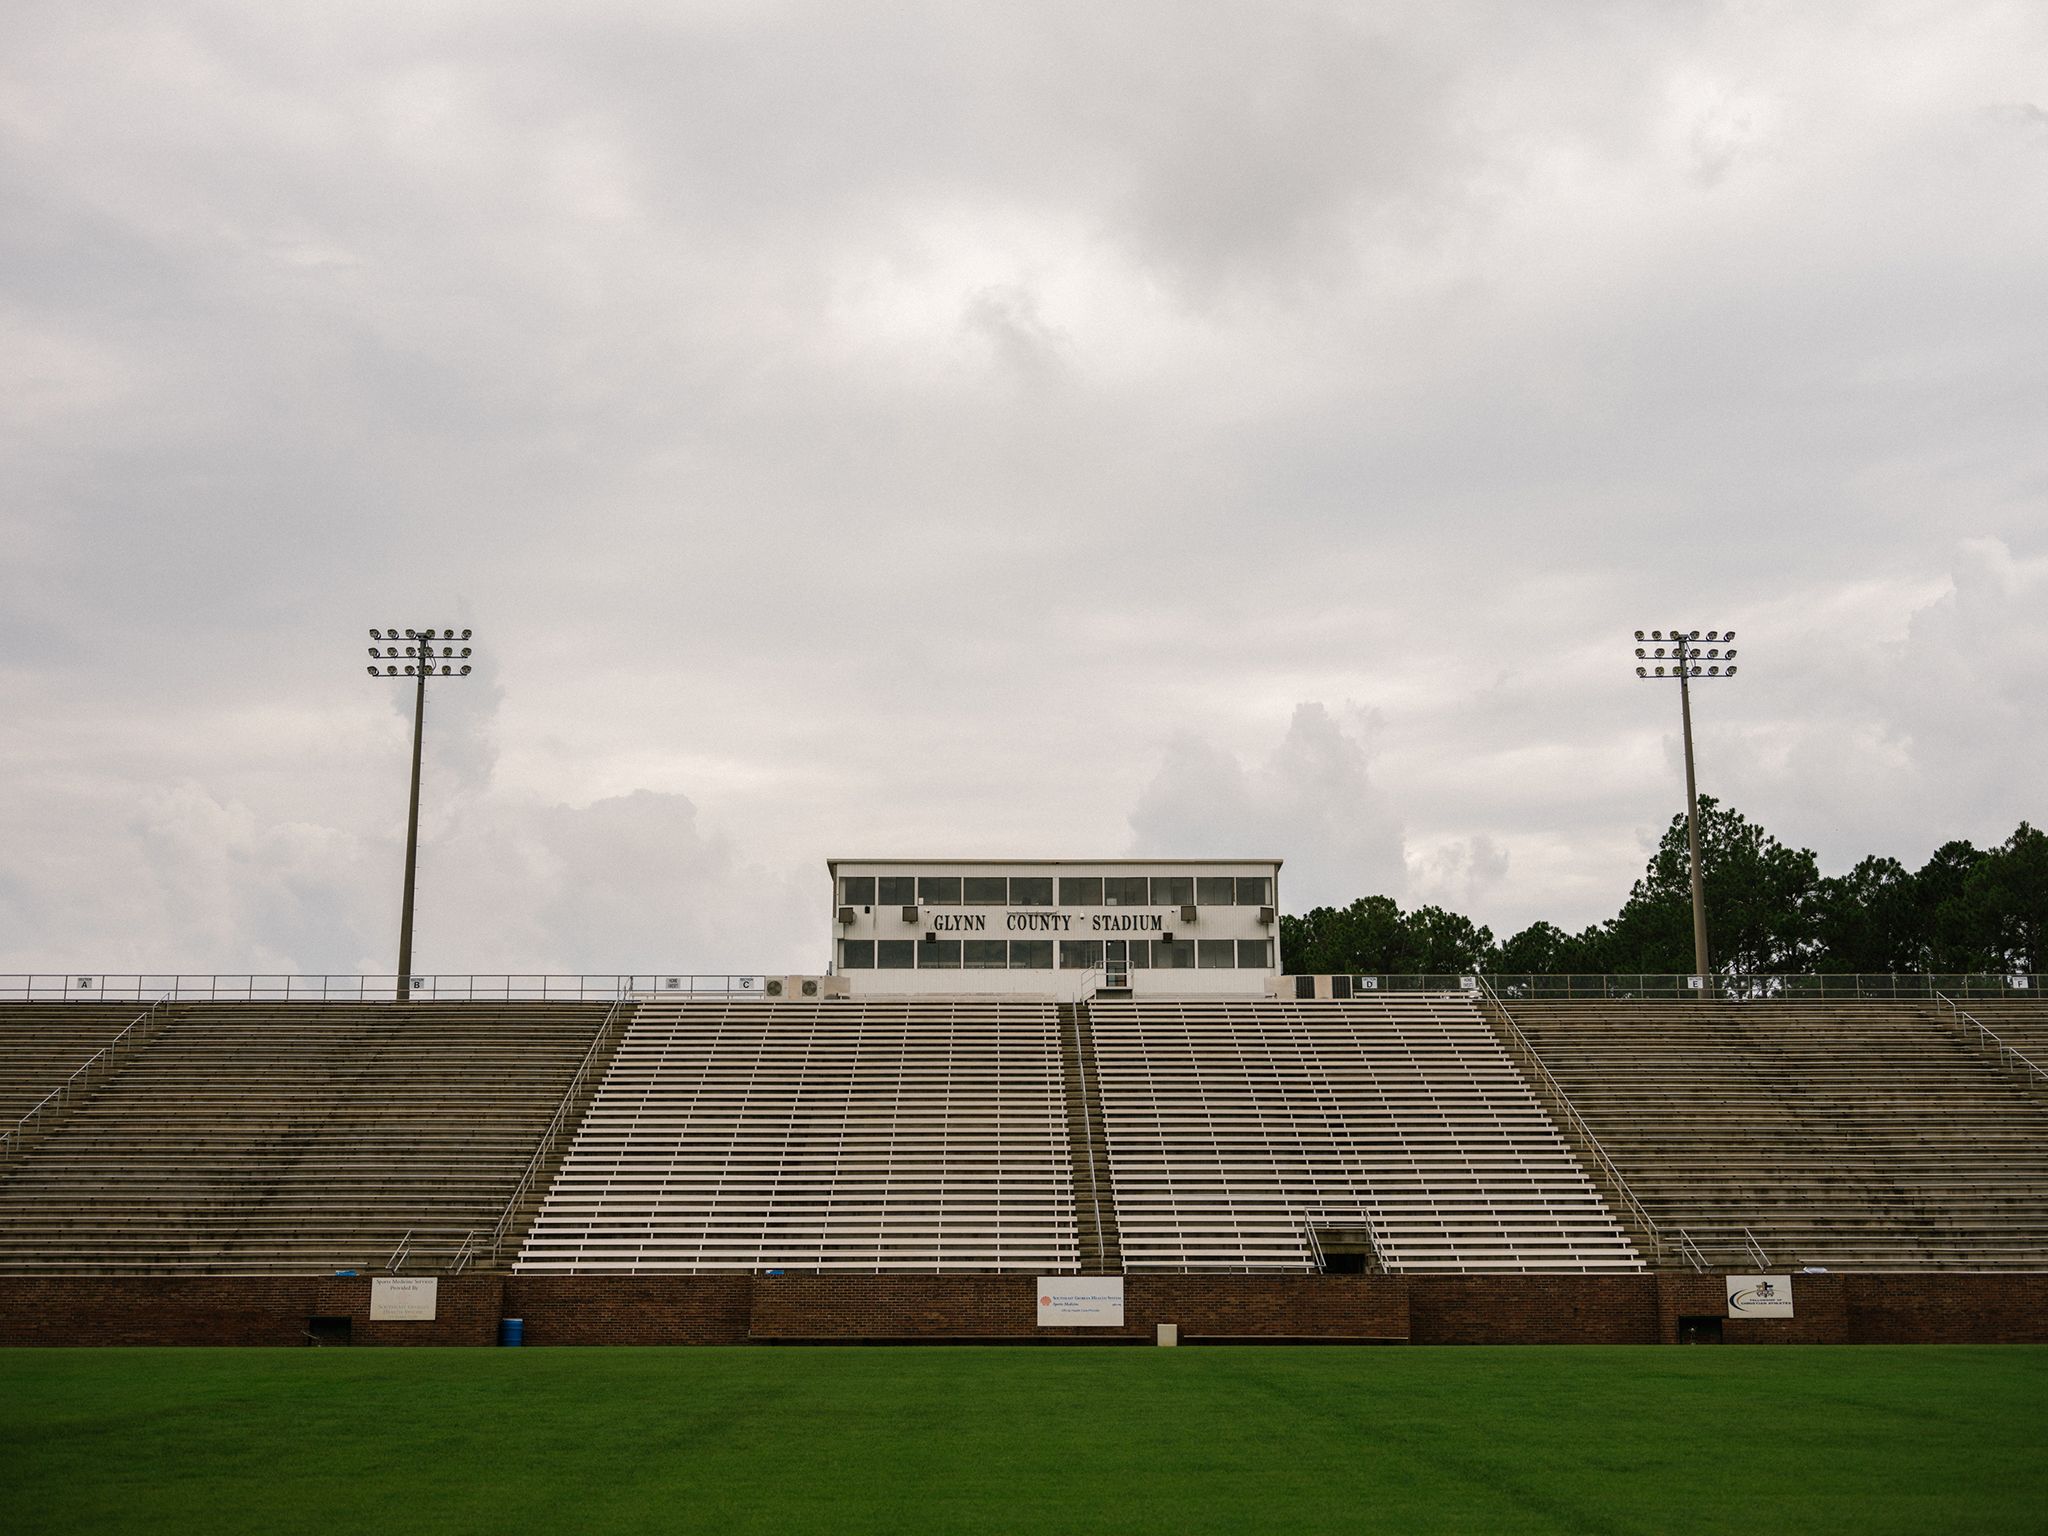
[(1173, 890), (1031, 891), (1080, 891), (895, 954), (1176, 956), (938, 890), (1124, 891), (1080, 954), (1254, 954), (1216, 891), (857, 890), (896, 891), (987, 890), (987, 954), (939, 955), (856, 954), (1254, 891), (1141, 954), (1031, 954), (1218, 955)]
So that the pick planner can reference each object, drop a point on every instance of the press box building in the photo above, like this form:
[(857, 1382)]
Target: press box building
[(1065, 928)]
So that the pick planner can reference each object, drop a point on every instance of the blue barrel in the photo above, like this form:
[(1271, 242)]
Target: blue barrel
[(511, 1331)]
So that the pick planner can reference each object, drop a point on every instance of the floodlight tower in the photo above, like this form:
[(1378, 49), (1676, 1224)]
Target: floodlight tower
[(1679, 656), (422, 664)]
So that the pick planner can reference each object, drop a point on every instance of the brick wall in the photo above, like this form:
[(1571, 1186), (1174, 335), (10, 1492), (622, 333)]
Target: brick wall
[(1006, 1307), (631, 1309), (267, 1309), (732, 1309), (1945, 1309), (1532, 1309)]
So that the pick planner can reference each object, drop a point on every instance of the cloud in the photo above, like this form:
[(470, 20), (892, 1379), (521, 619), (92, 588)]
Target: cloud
[(1311, 801)]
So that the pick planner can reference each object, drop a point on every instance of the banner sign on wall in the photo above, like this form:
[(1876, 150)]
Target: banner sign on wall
[(1759, 1295), (403, 1301), (1080, 1301)]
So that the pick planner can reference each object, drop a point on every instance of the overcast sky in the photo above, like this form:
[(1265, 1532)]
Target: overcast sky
[(891, 429)]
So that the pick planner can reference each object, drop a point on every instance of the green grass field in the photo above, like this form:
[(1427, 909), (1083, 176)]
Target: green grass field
[(1031, 1439)]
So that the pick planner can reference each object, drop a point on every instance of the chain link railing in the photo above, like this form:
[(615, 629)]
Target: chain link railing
[(99, 987)]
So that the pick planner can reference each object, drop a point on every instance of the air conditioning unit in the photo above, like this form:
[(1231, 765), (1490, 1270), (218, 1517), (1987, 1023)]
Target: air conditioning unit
[(910, 914), (810, 986), (774, 988), (846, 917), (1266, 915), (1187, 913)]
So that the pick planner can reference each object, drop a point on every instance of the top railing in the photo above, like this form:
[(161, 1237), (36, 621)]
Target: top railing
[(96, 987), (1875, 987)]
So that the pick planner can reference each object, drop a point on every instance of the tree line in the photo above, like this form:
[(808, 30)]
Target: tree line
[(1769, 911)]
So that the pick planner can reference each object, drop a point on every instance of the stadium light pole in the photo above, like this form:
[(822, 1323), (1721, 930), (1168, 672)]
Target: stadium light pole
[(1678, 654), (422, 663)]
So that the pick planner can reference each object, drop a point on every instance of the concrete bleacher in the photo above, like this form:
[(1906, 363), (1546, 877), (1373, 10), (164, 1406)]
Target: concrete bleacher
[(2021, 1025), (1233, 1126), (1835, 1135), (43, 1044), (295, 1137), (922, 1135)]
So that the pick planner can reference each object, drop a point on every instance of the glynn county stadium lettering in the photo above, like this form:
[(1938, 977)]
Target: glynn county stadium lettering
[(1052, 922)]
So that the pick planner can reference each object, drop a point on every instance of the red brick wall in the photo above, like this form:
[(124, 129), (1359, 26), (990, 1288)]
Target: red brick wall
[(1819, 1311), (1946, 1309), (267, 1309), (731, 1309), (1532, 1309), (631, 1309), (1006, 1307)]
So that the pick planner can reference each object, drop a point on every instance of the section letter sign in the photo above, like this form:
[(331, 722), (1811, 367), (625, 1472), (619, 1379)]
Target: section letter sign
[(1080, 1301), (1759, 1295), (403, 1301)]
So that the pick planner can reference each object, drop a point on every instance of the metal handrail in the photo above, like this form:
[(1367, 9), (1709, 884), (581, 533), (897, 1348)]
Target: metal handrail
[(398, 1254), (1084, 1035), (2007, 1054), (1561, 1104), (555, 1125), (16, 1136), (95, 986), (278, 987)]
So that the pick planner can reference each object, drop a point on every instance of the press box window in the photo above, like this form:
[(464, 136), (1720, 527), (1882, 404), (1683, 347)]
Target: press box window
[(939, 955), (1218, 954), (1031, 954), (1254, 891), (1177, 955), (1080, 891), (1254, 954), (938, 890), (857, 890), (895, 954), (1080, 954), (1125, 891), (1216, 891), (987, 954), (856, 954), (1031, 891), (987, 891), (1173, 890), (896, 891)]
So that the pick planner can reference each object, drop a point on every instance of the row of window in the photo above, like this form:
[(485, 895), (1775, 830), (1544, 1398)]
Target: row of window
[(1037, 954), (1074, 890)]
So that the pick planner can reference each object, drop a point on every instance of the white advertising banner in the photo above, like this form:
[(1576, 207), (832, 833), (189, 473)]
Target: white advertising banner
[(1080, 1301), (1759, 1295), (403, 1301)]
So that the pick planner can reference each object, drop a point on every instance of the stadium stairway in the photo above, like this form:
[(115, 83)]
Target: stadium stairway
[(1088, 1145), (1833, 1135), (922, 1135), (1235, 1126), (299, 1137)]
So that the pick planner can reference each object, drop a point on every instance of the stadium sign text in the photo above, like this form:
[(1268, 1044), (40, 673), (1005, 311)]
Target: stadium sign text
[(1051, 922)]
